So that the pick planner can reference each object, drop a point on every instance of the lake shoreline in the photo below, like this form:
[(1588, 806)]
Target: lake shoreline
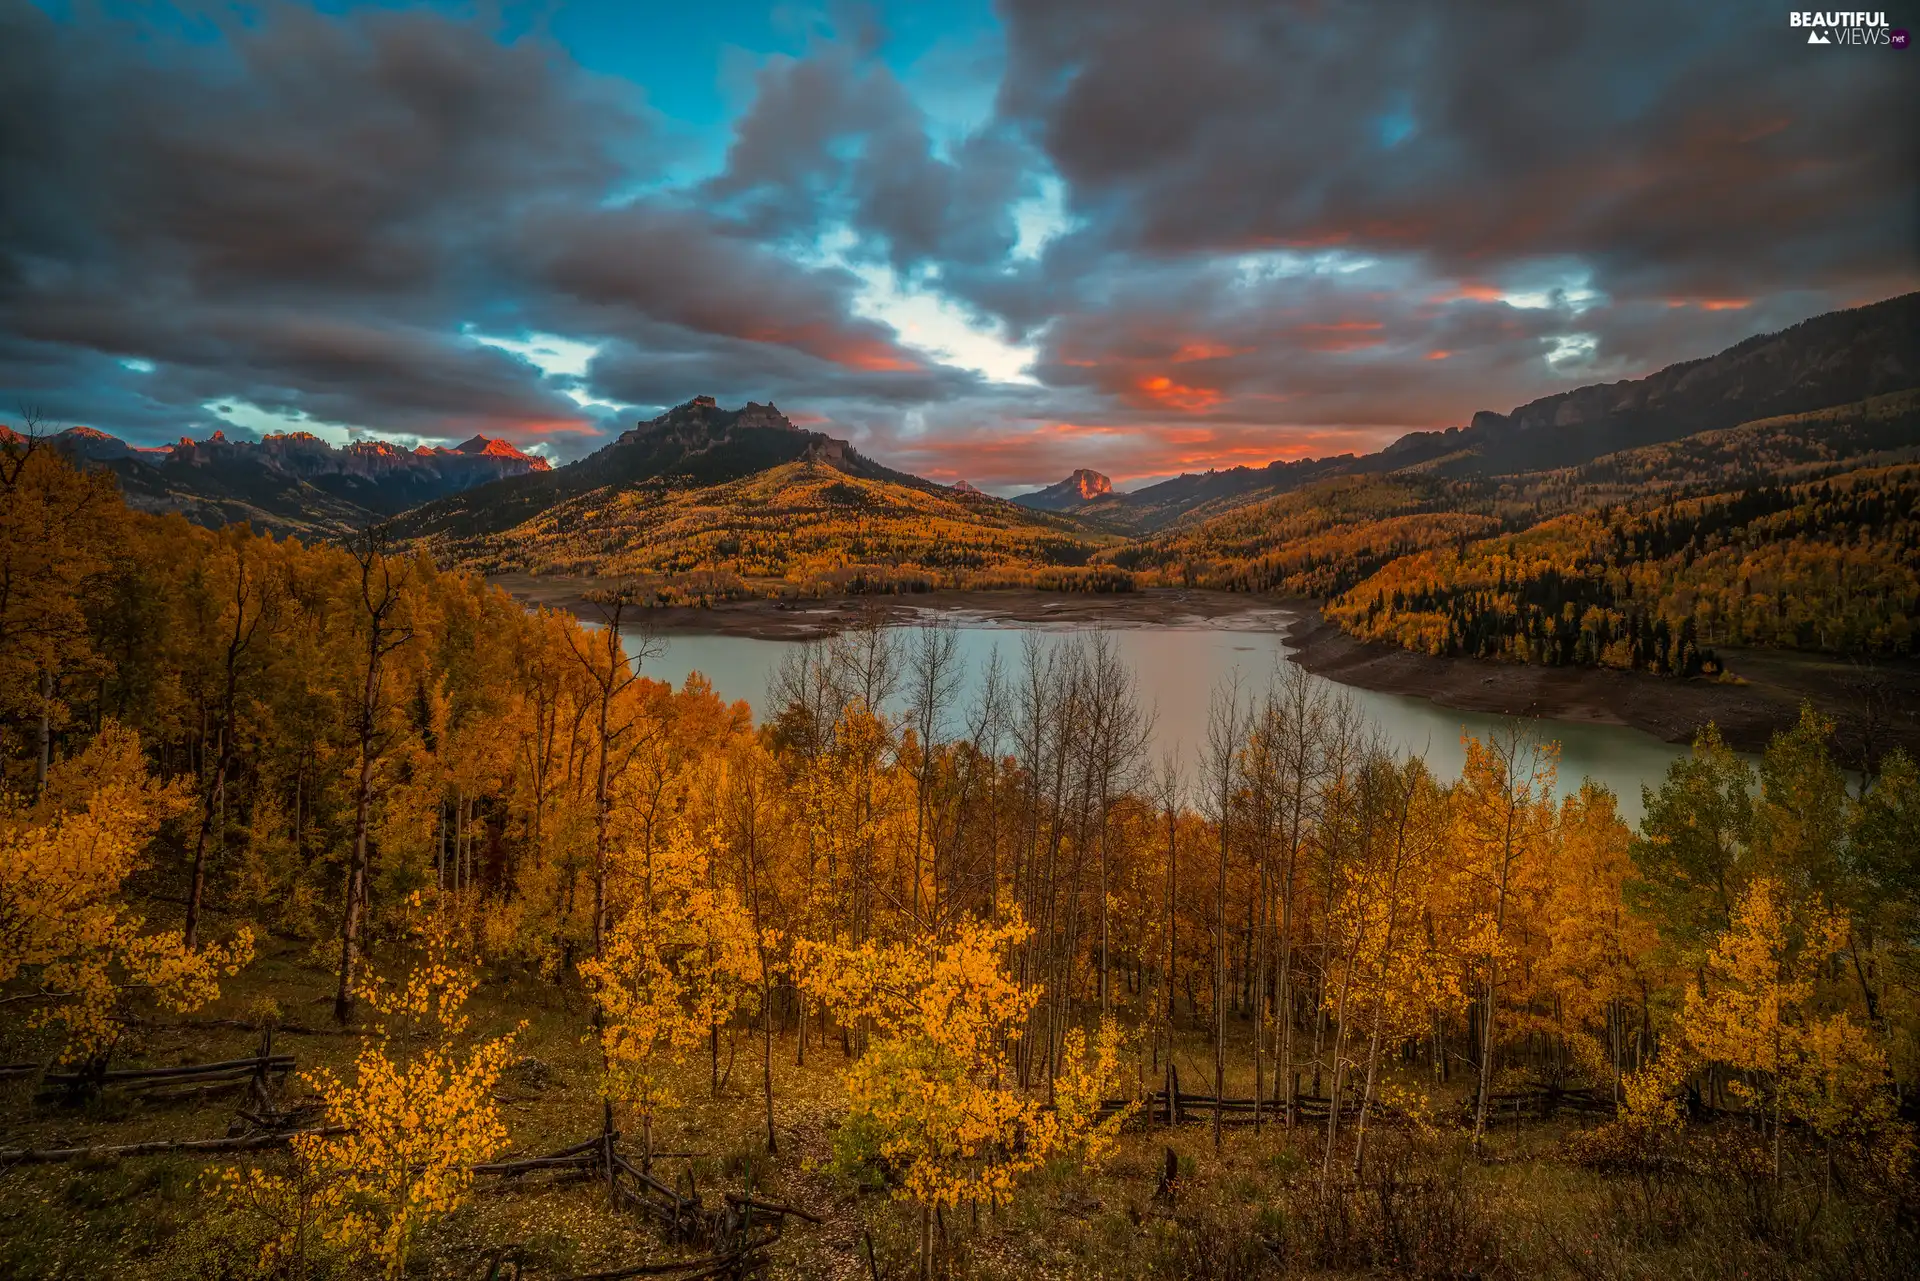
[(816, 619), (1749, 712)]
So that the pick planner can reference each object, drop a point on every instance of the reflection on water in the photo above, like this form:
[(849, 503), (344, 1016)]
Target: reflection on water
[(1179, 665)]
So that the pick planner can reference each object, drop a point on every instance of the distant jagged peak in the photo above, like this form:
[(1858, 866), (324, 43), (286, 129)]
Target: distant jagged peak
[(480, 446), (373, 447), (962, 487), (705, 411), (767, 415)]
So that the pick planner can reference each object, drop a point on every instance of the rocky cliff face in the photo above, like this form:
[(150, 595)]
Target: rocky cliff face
[(701, 423), (1084, 486)]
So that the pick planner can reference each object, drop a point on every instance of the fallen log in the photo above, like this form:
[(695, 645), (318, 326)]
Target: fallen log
[(162, 1147), (571, 1161), (712, 1265), (585, 1145), (194, 1092), (515, 1185), (771, 1207), (184, 1072), (652, 1184)]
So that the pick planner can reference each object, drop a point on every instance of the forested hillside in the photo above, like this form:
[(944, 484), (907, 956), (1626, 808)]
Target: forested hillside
[(1832, 565), (704, 503), (1800, 531), (575, 974), (1316, 541), (805, 527)]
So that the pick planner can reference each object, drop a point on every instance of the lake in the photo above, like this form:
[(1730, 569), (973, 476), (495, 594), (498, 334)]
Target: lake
[(1178, 666)]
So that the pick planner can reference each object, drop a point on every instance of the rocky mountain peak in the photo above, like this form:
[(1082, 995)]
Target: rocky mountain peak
[(1083, 486), (1089, 484)]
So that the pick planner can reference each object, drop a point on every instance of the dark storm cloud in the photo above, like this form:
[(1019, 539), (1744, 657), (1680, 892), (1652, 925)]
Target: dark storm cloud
[(834, 137), (658, 367), (670, 266), (1699, 148), (1288, 229), (1297, 227), (308, 213)]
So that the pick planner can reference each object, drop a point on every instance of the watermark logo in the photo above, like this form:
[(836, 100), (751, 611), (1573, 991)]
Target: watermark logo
[(1841, 28)]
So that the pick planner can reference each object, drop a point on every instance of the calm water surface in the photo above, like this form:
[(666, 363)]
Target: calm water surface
[(1178, 666)]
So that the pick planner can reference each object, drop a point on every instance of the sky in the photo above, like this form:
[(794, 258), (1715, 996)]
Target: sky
[(985, 241)]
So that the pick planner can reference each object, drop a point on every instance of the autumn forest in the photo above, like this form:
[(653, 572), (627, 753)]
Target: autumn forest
[(357, 920)]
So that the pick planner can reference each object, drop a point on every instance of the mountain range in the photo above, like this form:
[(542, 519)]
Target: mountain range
[(293, 482), (745, 494), (1839, 358)]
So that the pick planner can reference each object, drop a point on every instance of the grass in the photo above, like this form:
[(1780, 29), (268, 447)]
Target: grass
[(1253, 1207)]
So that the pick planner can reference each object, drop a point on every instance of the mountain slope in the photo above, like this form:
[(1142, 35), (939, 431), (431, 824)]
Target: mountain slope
[(696, 444), (1201, 494), (1841, 358), (1800, 530), (1829, 565), (709, 500)]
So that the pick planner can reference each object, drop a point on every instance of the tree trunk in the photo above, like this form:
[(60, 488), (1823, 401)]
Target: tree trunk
[(1486, 1056), (356, 879), (43, 738)]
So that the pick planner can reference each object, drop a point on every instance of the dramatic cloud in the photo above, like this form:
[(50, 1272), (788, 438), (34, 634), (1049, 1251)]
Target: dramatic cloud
[(1124, 234), (1700, 148), (310, 216)]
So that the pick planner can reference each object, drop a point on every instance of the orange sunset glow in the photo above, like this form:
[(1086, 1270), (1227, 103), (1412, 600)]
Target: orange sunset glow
[(1165, 391)]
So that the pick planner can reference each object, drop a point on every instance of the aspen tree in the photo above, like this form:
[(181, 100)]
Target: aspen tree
[(251, 602), (1225, 727), (674, 965), (380, 597), (1504, 814), (414, 1123), (1758, 1014), (64, 862), (933, 1097), (607, 665)]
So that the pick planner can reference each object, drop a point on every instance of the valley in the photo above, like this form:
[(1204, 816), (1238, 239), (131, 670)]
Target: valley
[(1024, 641), (1765, 500)]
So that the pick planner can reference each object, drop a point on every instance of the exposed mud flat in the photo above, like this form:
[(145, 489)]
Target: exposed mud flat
[(812, 619), (1880, 703)]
